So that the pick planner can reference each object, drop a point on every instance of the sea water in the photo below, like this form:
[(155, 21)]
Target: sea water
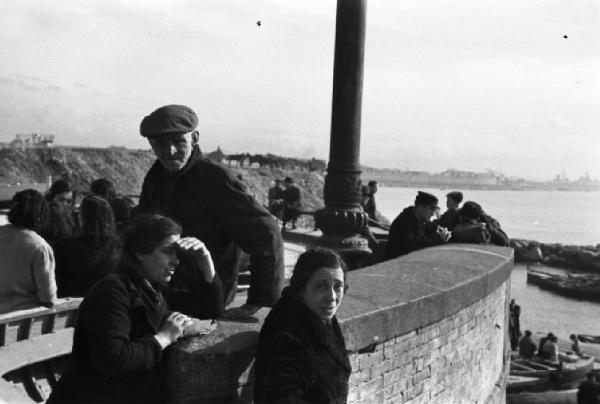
[(547, 216)]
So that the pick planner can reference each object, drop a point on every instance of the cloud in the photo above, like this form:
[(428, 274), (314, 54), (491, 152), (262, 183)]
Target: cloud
[(29, 83)]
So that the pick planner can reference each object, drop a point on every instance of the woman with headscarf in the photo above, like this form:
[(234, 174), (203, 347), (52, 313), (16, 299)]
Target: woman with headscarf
[(301, 354), (124, 322), (27, 261)]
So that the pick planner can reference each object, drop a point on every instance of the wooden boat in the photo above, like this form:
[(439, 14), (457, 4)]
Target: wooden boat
[(592, 339), (580, 287), (522, 384), (568, 373), (34, 346)]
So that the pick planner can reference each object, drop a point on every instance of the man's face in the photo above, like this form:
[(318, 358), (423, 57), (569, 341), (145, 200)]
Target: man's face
[(451, 203), (174, 150), (373, 189), (424, 212)]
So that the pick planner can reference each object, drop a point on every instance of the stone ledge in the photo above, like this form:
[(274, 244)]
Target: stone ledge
[(397, 296), (386, 300)]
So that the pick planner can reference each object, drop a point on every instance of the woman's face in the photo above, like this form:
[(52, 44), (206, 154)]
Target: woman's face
[(159, 265), (324, 292), (64, 198)]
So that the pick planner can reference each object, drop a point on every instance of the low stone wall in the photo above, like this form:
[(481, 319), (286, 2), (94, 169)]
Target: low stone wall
[(429, 327), (584, 258)]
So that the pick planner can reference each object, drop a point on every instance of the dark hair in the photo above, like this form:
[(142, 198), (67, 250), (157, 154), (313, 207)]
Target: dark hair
[(146, 232), (121, 207), (424, 198), (371, 183), (103, 188), (61, 222), (58, 187), (456, 196), (471, 210), (289, 180), (29, 209), (527, 333), (98, 222), (311, 261)]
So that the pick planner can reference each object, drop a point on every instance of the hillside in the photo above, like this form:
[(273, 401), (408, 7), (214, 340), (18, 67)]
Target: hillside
[(126, 168)]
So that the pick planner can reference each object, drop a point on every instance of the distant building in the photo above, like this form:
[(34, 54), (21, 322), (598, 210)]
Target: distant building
[(33, 140)]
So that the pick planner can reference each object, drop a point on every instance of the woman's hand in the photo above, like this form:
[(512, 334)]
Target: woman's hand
[(173, 328), (197, 249)]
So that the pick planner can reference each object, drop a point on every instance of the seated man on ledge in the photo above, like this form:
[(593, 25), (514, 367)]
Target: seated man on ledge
[(413, 230), (211, 204)]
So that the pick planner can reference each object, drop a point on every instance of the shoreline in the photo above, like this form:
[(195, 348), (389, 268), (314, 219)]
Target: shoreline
[(584, 258)]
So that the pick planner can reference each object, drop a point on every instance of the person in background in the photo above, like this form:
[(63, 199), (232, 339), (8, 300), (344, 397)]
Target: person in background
[(122, 207), (61, 215), (541, 343), (301, 355), (526, 346), (514, 324), (83, 259), (450, 217), (103, 188), (211, 204), (576, 346), (550, 349), (412, 229), (589, 391), (368, 202), (275, 199), (292, 202), (124, 323), (27, 260), (476, 227)]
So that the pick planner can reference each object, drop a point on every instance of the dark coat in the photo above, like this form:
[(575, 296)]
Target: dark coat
[(299, 358), (210, 203), (588, 393), (115, 357), (408, 234), (449, 219), (292, 203), (79, 264)]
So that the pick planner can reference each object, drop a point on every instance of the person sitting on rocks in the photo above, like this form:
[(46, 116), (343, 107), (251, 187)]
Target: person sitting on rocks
[(412, 229), (450, 217), (526, 346)]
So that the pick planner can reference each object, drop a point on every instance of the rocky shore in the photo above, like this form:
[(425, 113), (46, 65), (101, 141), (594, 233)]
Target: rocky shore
[(581, 258)]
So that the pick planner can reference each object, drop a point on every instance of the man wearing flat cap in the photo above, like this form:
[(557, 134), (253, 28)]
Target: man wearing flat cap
[(212, 205), (413, 230)]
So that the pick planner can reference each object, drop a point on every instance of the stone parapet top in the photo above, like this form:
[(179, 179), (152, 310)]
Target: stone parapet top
[(389, 299)]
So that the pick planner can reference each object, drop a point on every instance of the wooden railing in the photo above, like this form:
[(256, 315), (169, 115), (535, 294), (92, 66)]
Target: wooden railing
[(32, 343)]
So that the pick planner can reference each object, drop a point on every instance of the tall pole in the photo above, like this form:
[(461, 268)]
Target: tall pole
[(343, 218)]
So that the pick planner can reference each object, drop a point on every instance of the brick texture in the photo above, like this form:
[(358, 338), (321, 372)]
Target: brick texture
[(459, 359)]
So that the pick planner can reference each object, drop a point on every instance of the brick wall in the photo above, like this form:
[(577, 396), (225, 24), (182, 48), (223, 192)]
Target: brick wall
[(456, 360)]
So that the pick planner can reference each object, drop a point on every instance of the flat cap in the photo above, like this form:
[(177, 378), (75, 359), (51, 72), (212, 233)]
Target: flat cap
[(424, 198), (169, 119)]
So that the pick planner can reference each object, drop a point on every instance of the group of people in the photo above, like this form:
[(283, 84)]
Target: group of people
[(285, 201), (168, 271), (418, 227)]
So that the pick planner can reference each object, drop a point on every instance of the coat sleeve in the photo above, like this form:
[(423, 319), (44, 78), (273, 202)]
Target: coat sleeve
[(255, 231), (403, 239), (43, 267), (107, 323), (288, 374)]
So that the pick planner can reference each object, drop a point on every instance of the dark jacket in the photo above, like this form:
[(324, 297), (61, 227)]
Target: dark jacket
[(526, 347), (299, 358), (408, 234), (588, 393), (115, 357), (210, 203), (498, 236), (79, 264), (449, 219), (292, 203)]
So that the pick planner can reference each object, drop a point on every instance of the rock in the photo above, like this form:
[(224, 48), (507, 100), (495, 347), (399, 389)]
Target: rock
[(588, 258)]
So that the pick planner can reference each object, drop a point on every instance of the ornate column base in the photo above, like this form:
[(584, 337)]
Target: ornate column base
[(341, 232)]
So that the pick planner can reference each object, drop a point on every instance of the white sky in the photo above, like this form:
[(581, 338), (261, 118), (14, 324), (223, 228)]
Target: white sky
[(471, 85)]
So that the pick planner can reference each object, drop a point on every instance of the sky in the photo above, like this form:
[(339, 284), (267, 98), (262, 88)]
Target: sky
[(511, 86)]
